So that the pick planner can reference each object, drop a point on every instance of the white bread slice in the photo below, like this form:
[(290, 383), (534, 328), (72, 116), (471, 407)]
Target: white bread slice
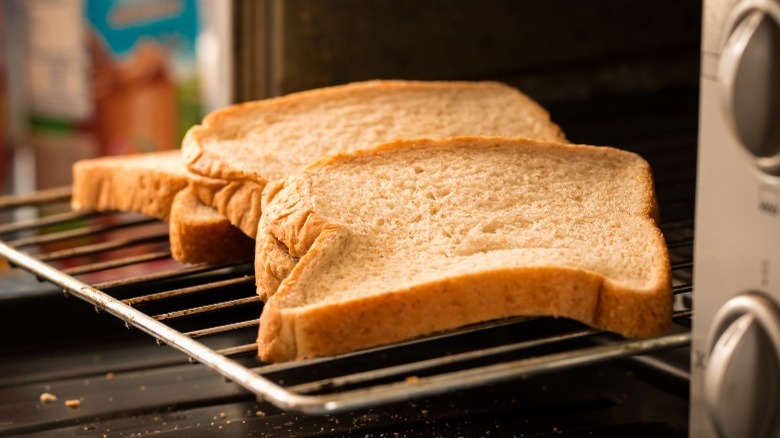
[(239, 149), (415, 237), (154, 184)]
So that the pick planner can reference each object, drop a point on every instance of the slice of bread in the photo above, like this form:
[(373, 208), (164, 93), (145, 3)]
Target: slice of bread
[(154, 184), (140, 183), (199, 234), (239, 149), (415, 237)]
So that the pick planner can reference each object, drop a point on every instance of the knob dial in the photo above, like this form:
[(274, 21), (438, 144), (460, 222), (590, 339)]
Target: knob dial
[(742, 378), (749, 78)]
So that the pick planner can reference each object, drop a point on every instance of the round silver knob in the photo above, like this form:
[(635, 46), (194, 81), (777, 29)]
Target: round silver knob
[(742, 378), (749, 79)]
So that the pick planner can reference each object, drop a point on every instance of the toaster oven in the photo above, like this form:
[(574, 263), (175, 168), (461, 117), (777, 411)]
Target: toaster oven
[(736, 329), (71, 370)]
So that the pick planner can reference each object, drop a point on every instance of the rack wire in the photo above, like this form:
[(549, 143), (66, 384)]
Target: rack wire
[(120, 263)]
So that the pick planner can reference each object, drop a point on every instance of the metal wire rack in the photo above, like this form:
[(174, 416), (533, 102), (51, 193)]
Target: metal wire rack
[(121, 264)]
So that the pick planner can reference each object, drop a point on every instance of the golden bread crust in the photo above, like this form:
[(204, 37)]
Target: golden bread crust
[(240, 201), (129, 183), (198, 234), (155, 184)]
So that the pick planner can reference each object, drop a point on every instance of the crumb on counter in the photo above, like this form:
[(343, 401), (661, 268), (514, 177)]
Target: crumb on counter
[(47, 398), (411, 379), (110, 376), (73, 404)]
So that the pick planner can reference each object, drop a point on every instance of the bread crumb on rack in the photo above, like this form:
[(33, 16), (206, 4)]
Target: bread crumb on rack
[(73, 404), (47, 398)]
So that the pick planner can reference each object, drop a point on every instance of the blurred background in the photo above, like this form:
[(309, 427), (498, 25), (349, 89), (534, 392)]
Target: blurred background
[(86, 78)]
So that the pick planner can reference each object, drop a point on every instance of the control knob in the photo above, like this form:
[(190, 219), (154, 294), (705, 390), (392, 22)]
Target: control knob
[(749, 80), (742, 377)]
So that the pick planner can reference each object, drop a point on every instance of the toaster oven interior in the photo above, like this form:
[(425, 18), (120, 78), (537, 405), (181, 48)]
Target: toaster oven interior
[(546, 376)]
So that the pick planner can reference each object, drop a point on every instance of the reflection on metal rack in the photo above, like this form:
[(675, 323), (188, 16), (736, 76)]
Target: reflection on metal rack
[(476, 355)]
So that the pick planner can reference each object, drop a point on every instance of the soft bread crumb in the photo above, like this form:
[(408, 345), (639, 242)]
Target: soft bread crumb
[(73, 404)]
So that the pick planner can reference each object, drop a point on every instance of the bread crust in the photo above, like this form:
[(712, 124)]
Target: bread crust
[(198, 234), (240, 201), (115, 183), (302, 240), (155, 184), (450, 303)]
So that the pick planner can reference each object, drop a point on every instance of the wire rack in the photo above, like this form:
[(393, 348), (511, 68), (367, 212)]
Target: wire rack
[(121, 264)]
